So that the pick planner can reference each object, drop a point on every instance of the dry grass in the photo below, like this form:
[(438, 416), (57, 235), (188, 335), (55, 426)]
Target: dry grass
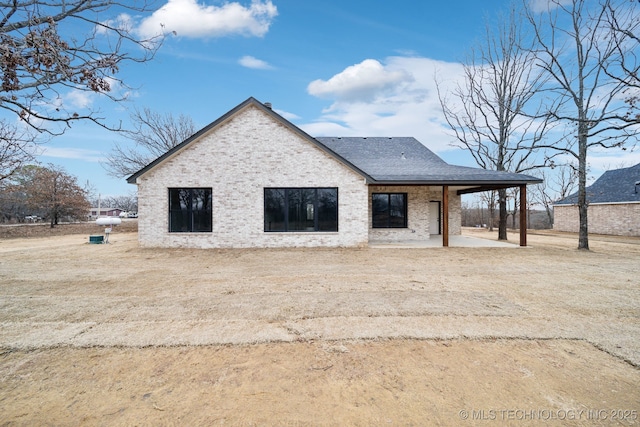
[(42, 229), (62, 291), (119, 335)]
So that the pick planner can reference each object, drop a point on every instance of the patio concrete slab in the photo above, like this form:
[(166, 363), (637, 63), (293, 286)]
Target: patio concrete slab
[(435, 241)]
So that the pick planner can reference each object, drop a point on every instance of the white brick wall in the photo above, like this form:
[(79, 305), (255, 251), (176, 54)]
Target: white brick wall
[(251, 151), (619, 219), (238, 159), (418, 218)]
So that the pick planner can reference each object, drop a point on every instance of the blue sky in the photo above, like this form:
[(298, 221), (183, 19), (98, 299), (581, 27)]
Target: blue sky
[(332, 67)]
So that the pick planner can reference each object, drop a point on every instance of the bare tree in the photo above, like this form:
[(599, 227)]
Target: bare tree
[(17, 148), (153, 135), (489, 199), (128, 203), (489, 111), (554, 187), (589, 65), (52, 192), (46, 54)]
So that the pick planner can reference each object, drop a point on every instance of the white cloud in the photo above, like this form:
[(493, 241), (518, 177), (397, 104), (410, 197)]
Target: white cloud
[(539, 6), (255, 63), (122, 22), (395, 98), (287, 115), (73, 101), (78, 99), (612, 158), (73, 153), (361, 81), (411, 107), (190, 19)]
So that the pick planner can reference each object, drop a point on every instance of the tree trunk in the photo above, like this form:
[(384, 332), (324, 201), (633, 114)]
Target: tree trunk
[(549, 215), (515, 211), (492, 213), (583, 234), (502, 221)]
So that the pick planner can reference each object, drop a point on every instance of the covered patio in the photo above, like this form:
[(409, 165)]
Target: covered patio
[(405, 165), (489, 187)]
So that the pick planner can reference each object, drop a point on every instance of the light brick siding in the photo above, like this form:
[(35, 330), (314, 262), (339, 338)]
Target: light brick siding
[(238, 159), (620, 219), (418, 199)]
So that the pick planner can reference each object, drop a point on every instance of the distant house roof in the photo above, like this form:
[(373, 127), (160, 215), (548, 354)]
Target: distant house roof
[(405, 160), (379, 160), (106, 209), (614, 186)]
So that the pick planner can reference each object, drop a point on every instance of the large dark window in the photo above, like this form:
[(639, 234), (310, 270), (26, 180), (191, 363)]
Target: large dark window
[(190, 210), (300, 209), (389, 210)]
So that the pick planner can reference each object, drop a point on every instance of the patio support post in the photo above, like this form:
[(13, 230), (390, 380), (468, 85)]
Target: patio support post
[(523, 215), (445, 215)]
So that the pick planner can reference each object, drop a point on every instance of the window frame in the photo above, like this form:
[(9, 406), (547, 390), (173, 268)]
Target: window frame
[(286, 211), (375, 223), (192, 224)]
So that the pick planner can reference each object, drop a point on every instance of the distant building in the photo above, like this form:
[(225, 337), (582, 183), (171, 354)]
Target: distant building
[(614, 205), (102, 212)]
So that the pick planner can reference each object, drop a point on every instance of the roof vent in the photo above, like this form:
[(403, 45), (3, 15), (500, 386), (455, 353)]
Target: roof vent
[(268, 105), (402, 156)]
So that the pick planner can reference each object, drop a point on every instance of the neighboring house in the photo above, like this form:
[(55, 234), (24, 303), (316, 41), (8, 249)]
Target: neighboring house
[(613, 205), (101, 212), (253, 179)]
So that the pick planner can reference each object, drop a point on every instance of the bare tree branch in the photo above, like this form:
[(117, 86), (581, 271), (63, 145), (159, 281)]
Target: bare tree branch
[(40, 62), (153, 135), (17, 148), (554, 187)]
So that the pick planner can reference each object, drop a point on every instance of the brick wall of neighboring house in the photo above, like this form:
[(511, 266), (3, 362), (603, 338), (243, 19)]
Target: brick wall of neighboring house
[(238, 159), (619, 219), (418, 218)]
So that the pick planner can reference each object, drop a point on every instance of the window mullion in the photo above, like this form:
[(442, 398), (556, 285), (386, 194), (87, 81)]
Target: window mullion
[(286, 209), (315, 210), (190, 209)]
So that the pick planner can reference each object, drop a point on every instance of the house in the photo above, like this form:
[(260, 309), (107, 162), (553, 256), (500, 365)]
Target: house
[(253, 179), (100, 212), (613, 205)]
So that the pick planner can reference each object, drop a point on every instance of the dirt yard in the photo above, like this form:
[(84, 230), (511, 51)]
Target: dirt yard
[(119, 335)]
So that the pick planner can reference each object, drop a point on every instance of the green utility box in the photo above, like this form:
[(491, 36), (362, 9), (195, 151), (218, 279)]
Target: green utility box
[(96, 239)]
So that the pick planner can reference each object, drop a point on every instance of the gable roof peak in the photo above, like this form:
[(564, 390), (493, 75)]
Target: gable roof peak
[(251, 101)]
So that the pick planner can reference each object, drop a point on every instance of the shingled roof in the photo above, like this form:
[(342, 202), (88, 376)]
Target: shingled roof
[(380, 160), (614, 186), (404, 160)]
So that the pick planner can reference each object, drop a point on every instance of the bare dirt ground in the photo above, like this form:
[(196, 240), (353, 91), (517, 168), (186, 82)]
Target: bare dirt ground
[(119, 335)]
